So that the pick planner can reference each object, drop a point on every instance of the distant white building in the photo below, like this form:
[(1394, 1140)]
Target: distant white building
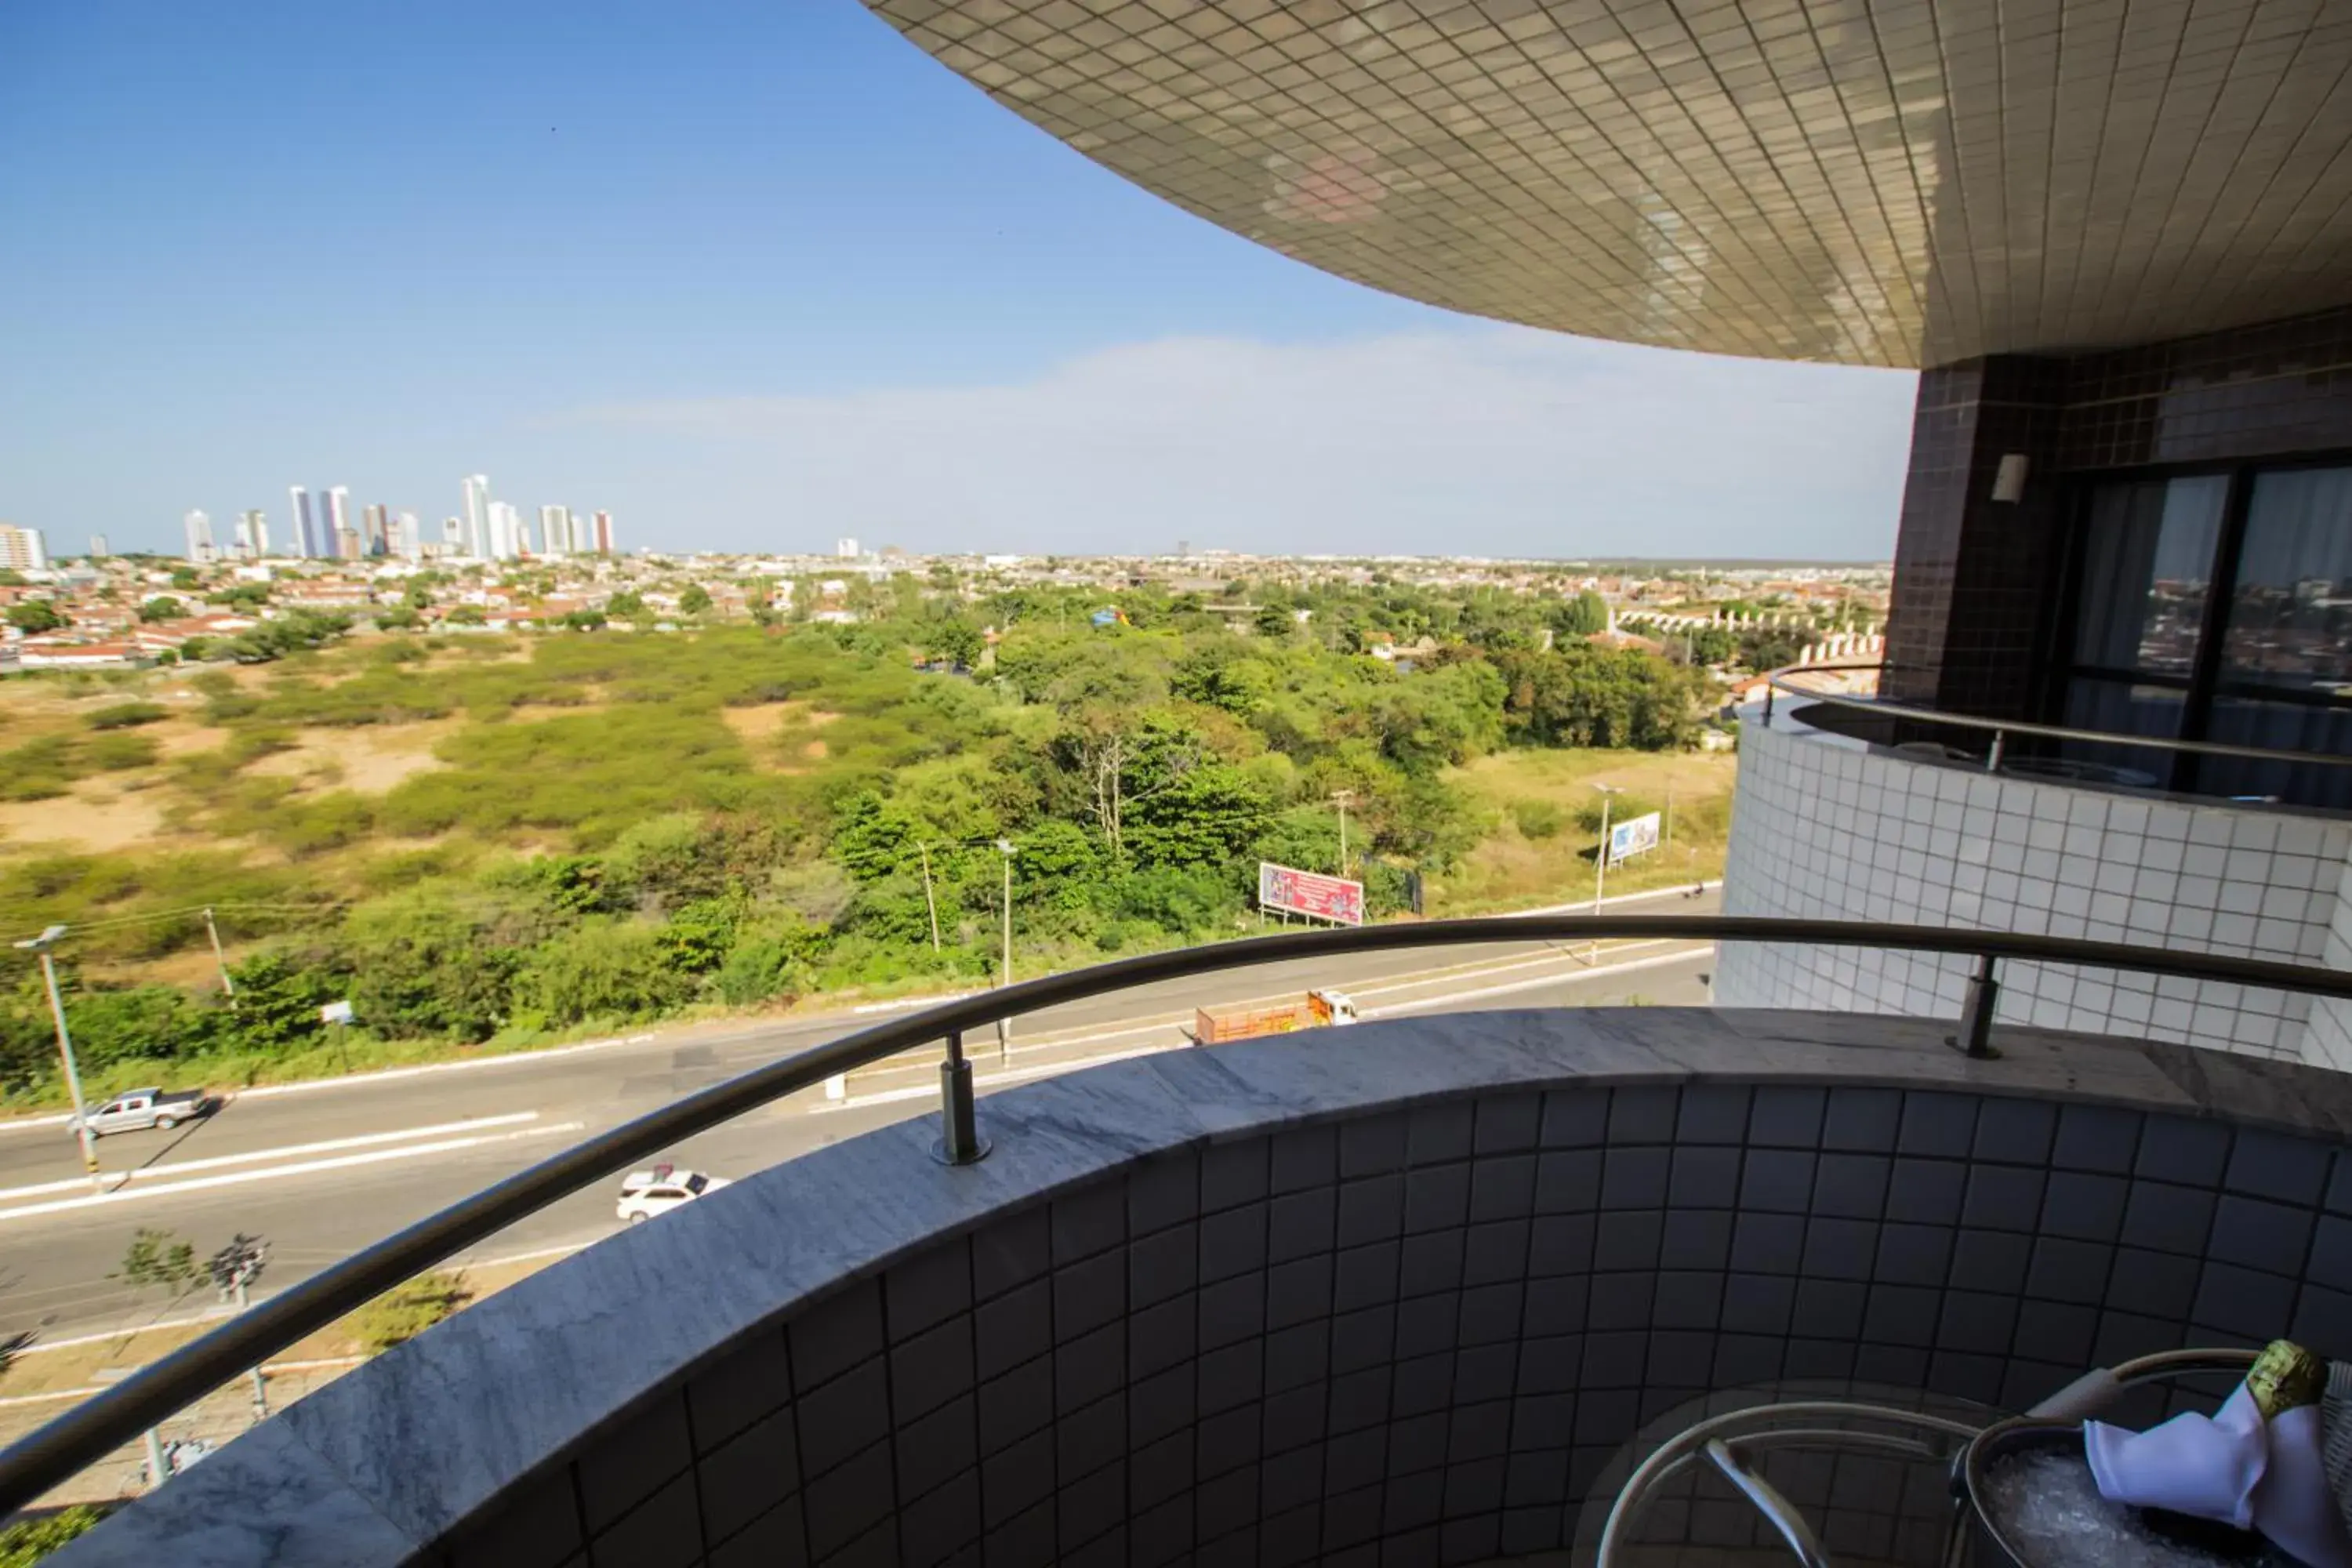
[(304, 527), (845, 549), (98, 550), (477, 515), (23, 549), (555, 531), (341, 540), (199, 527), (506, 539), (411, 537)]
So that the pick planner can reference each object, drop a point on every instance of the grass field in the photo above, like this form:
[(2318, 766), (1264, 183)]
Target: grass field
[(1543, 812)]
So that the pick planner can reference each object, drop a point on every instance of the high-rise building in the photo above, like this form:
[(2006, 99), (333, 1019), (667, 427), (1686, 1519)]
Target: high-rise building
[(505, 540), (23, 549), (555, 530), (337, 521), (453, 535), (253, 530), (604, 533), (98, 550), (376, 534), (845, 549), (199, 528), (305, 528), (242, 535), (412, 536), (477, 514)]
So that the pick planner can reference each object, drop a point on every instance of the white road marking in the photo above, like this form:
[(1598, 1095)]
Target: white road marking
[(1540, 981), (256, 1156), (980, 1080), (388, 1075), (275, 1172)]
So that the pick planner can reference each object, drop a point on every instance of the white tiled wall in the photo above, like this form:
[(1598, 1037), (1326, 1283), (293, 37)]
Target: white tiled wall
[(1825, 828)]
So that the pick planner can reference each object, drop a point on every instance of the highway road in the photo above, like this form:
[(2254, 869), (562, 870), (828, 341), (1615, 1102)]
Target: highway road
[(322, 1169)]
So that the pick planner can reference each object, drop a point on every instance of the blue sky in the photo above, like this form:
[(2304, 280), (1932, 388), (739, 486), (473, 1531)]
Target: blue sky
[(753, 275)]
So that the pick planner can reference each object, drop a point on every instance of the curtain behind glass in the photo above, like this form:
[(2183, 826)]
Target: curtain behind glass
[(2291, 614), (2147, 569)]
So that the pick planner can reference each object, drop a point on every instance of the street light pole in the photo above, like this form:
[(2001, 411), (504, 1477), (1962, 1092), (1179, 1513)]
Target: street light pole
[(1005, 973), (41, 944), (1601, 858), (1343, 798)]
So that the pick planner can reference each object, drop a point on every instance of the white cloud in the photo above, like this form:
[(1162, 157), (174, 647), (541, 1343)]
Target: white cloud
[(1488, 441)]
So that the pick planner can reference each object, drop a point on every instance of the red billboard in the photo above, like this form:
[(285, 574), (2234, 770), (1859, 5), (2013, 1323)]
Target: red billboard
[(1288, 889)]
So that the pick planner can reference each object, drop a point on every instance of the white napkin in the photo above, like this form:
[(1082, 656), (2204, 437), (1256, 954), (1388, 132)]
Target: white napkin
[(2229, 1466)]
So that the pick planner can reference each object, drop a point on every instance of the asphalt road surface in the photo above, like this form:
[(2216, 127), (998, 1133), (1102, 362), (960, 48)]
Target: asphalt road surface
[(321, 1169)]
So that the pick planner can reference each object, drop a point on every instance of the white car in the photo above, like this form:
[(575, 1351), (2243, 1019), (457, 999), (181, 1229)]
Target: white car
[(645, 1194)]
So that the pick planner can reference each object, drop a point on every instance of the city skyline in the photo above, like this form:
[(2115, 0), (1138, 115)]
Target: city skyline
[(485, 529), (753, 347)]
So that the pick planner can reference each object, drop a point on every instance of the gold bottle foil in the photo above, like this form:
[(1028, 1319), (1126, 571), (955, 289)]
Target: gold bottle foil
[(2286, 1376)]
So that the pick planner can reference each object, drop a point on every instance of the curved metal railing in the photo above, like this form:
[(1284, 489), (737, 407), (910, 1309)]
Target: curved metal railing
[(91, 1430), (1783, 680)]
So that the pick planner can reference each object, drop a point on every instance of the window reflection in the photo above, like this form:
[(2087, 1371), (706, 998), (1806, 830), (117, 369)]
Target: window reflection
[(2290, 613), (2147, 570)]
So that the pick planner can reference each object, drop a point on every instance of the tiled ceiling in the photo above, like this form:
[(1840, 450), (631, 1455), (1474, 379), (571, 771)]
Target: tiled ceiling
[(1877, 182)]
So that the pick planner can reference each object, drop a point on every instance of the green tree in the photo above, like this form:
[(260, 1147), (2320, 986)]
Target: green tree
[(277, 1000), (695, 601), (157, 1259), (467, 615), (162, 607), (608, 968), (1580, 617), (27, 1541), (34, 616), (11, 578)]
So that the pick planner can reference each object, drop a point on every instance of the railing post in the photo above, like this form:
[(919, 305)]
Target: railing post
[(960, 1143), (1992, 753), (1768, 705), (1975, 1039)]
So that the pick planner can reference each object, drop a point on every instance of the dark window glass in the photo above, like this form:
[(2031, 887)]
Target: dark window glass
[(2279, 727), (2116, 708), (2146, 571), (2291, 614)]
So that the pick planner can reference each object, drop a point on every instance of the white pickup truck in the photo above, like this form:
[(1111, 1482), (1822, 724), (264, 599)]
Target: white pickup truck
[(144, 1108)]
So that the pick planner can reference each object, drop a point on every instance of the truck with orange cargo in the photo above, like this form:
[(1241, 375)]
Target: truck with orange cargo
[(1322, 1009)]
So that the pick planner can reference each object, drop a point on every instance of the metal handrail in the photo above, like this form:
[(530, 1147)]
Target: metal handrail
[(89, 1431), (1781, 680)]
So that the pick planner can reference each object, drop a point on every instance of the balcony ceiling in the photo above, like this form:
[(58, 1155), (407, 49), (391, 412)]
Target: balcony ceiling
[(1873, 182)]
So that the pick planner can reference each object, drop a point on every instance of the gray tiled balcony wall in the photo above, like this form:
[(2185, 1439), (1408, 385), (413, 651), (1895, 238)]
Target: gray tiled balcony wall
[(1824, 827), (1398, 1297)]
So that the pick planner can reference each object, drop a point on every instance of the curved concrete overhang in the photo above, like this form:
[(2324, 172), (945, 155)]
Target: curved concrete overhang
[(1171, 1300), (1870, 182)]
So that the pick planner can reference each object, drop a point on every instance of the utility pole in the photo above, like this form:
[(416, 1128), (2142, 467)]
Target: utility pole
[(1601, 858), (220, 961), (41, 944), (1343, 798), (233, 1268), (930, 902), (1005, 973)]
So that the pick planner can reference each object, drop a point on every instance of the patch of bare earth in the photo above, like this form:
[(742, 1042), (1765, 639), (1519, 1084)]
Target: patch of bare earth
[(370, 758), (774, 733), (96, 815)]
